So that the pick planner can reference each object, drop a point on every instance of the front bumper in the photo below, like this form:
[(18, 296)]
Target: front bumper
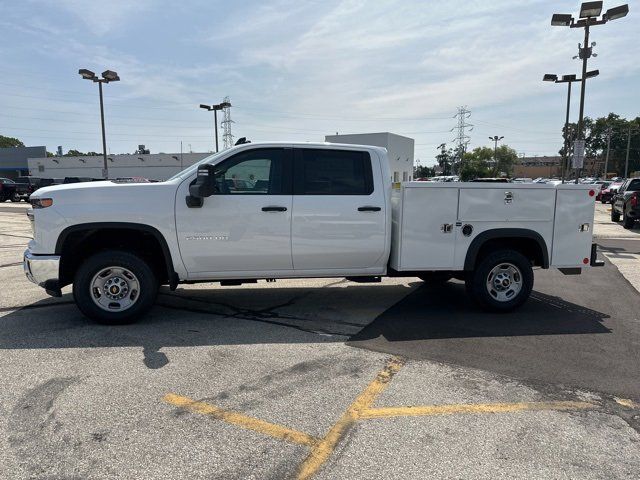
[(43, 270)]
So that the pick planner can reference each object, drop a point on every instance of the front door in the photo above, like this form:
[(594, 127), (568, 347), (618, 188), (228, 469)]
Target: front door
[(339, 211), (245, 226)]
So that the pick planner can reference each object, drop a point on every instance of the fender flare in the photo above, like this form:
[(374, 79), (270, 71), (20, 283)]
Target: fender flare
[(497, 233), (171, 273)]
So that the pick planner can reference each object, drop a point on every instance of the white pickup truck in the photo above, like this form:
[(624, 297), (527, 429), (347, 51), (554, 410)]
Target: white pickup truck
[(292, 210)]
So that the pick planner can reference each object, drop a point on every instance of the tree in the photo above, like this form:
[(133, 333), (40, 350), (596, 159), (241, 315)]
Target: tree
[(596, 133), (476, 164), (8, 142), (421, 171), (445, 159), (507, 157)]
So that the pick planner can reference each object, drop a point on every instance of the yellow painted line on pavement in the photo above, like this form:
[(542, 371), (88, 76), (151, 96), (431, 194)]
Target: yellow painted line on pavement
[(325, 447), (427, 410), (625, 402), (241, 420)]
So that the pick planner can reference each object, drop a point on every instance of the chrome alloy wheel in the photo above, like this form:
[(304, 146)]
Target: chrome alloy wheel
[(504, 282), (115, 289)]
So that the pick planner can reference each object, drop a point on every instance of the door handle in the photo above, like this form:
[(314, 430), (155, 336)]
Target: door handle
[(274, 209), (369, 209)]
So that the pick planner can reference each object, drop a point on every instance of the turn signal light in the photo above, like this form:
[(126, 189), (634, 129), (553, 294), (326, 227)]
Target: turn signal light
[(592, 193), (41, 202)]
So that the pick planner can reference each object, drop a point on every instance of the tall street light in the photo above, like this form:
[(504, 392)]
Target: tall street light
[(495, 139), (589, 12), (568, 79), (215, 109), (107, 76)]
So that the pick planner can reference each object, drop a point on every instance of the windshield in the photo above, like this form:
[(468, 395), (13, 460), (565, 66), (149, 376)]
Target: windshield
[(189, 170)]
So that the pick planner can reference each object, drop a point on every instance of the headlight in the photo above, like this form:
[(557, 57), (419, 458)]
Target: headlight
[(41, 202)]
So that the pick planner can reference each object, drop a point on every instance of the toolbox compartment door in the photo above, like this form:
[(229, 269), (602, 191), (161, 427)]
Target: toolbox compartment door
[(505, 203), (572, 228)]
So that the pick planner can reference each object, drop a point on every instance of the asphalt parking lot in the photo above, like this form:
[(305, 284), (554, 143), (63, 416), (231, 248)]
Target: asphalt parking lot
[(326, 379)]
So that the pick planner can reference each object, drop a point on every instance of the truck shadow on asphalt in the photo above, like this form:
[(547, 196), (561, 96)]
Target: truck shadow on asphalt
[(293, 315)]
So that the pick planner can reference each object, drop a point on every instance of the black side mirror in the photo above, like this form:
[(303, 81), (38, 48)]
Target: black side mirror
[(204, 186)]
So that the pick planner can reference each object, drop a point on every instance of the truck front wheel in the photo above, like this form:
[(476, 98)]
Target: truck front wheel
[(114, 287), (502, 281)]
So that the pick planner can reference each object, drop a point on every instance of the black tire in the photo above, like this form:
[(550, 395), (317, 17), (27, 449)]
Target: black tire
[(83, 294), (476, 282), (627, 221), (435, 277), (615, 216), (15, 198)]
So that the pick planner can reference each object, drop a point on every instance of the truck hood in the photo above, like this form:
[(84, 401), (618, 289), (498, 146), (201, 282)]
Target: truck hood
[(102, 188)]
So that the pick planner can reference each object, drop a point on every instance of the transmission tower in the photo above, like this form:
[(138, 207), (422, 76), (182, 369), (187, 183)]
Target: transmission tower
[(461, 139), (227, 137)]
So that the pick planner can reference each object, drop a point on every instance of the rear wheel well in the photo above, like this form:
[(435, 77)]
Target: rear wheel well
[(529, 247), (80, 244)]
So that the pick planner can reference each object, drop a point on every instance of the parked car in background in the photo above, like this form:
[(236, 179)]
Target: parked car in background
[(606, 194), (491, 180), (77, 180), (626, 203), (8, 190), (602, 184), (522, 180), (27, 185)]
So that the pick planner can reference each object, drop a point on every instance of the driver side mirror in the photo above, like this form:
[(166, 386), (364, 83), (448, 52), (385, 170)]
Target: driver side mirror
[(204, 186)]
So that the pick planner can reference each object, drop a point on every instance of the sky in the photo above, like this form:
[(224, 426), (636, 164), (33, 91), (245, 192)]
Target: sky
[(299, 70)]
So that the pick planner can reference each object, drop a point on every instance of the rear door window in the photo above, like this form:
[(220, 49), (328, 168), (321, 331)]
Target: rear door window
[(333, 172)]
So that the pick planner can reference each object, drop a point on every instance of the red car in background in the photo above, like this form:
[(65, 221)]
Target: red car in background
[(606, 195)]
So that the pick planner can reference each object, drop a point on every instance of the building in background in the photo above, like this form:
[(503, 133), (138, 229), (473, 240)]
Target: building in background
[(400, 150), (534, 167), (13, 160), (154, 166)]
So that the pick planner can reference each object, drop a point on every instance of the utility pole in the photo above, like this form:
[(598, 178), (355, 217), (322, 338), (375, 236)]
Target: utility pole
[(606, 160), (626, 162)]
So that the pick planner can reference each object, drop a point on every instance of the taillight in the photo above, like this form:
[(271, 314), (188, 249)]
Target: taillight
[(634, 200)]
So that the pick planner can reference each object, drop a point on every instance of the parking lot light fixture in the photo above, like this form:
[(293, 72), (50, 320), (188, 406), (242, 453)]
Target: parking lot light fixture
[(550, 77), (590, 9), (107, 77), (617, 12), (592, 73), (589, 13), (561, 20)]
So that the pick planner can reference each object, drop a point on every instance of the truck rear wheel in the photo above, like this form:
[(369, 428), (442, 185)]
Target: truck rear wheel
[(114, 287), (627, 221), (502, 281)]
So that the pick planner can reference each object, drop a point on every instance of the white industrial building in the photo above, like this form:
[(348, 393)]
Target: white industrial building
[(154, 166), (400, 150)]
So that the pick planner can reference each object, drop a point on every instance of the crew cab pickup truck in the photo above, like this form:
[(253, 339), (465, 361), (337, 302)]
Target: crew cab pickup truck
[(293, 210), (626, 203)]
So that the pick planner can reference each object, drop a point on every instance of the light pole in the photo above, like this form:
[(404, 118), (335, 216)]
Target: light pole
[(215, 109), (589, 12), (495, 140), (107, 76), (568, 79)]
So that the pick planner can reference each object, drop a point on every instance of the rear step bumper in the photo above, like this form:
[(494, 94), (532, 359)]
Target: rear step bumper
[(594, 257)]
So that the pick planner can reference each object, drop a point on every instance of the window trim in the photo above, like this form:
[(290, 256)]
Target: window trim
[(298, 173), (287, 174)]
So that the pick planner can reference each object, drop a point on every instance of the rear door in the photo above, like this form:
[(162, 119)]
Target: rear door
[(339, 210)]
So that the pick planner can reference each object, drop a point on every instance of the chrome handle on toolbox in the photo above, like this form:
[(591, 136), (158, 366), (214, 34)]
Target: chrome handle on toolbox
[(274, 209), (508, 197), (446, 228)]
